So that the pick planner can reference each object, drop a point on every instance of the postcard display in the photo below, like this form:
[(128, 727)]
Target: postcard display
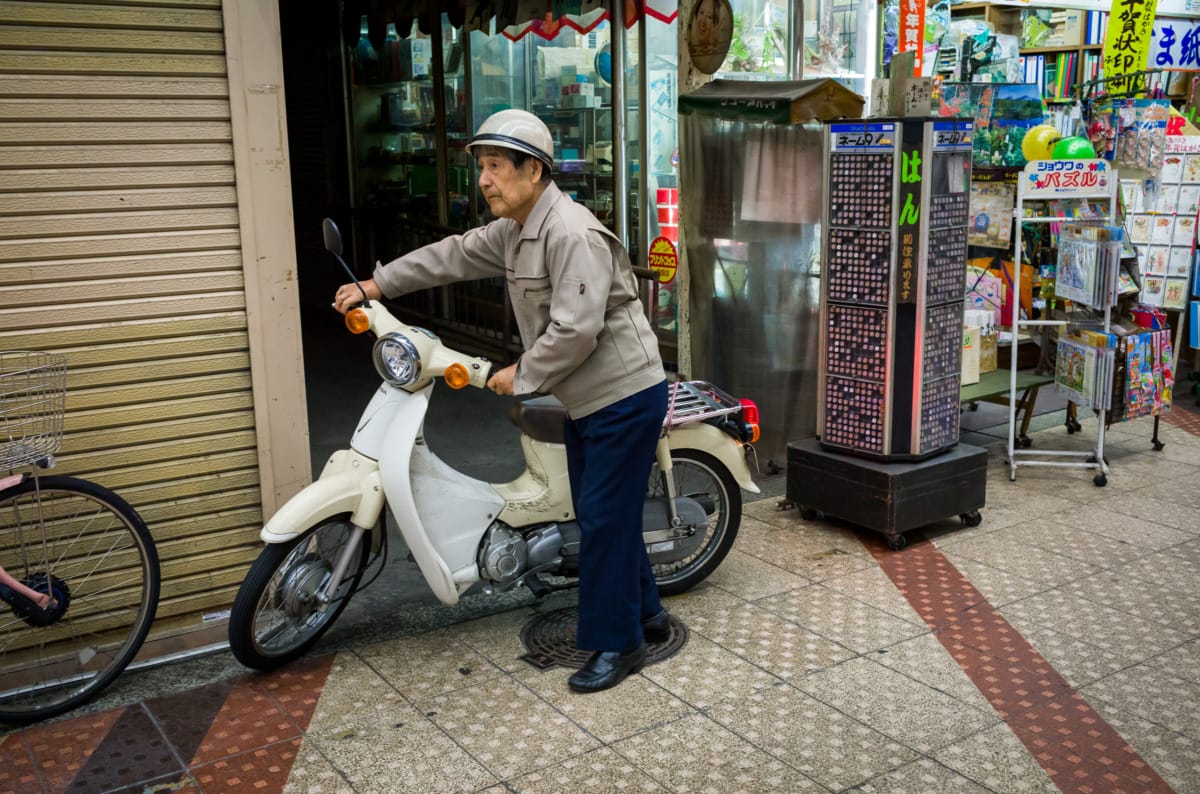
[(892, 296), (1087, 274), (893, 278)]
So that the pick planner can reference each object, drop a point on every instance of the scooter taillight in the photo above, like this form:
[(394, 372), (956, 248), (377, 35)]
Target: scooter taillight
[(750, 419)]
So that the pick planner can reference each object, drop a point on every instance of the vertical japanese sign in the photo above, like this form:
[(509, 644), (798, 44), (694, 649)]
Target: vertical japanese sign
[(1127, 46), (909, 224), (912, 31)]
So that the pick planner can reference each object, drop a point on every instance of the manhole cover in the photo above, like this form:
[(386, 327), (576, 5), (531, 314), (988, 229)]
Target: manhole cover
[(550, 639)]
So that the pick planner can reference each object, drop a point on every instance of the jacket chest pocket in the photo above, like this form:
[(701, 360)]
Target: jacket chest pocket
[(529, 288)]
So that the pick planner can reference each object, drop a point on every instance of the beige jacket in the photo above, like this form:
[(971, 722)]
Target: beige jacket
[(587, 340)]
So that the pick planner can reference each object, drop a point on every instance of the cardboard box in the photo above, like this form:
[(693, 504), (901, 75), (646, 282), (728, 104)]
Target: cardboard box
[(989, 353), (970, 355)]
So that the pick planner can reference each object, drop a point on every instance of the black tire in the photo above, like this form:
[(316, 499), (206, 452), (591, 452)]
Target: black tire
[(700, 476), (96, 554), (279, 589)]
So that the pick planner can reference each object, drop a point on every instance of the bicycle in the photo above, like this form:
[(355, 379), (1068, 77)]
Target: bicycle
[(79, 569)]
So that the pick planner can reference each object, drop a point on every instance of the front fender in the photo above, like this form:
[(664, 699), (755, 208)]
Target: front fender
[(720, 445), (349, 483)]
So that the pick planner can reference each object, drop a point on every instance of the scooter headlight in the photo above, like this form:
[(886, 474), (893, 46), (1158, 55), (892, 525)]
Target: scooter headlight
[(396, 359)]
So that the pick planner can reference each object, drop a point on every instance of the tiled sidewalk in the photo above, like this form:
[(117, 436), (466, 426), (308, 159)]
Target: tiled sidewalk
[(1055, 646)]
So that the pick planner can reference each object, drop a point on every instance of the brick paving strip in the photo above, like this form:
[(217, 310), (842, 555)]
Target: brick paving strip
[(1077, 748)]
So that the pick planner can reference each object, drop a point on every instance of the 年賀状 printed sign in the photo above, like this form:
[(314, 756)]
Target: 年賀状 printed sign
[(1127, 45)]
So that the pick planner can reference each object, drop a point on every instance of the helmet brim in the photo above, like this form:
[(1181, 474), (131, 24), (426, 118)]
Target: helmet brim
[(509, 142)]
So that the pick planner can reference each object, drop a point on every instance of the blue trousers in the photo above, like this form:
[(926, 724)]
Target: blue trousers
[(609, 456)]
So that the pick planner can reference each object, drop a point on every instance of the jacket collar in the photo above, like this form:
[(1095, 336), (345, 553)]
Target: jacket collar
[(541, 210)]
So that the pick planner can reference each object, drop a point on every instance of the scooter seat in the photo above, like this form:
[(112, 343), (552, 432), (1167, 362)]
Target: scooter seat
[(541, 418)]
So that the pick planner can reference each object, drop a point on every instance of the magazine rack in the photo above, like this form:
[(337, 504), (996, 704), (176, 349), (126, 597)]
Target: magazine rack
[(1070, 184)]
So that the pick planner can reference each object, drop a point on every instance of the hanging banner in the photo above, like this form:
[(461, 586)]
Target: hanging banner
[(912, 31), (1127, 45), (1174, 44)]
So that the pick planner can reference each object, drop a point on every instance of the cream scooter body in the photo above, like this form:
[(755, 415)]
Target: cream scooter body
[(442, 513)]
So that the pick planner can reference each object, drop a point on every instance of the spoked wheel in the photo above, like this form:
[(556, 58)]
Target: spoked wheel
[(700, 476), (91, 552), (276, 616)]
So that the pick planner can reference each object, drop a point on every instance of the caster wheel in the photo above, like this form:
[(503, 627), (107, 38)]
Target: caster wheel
[(1075, 426), (809, 514), (897, 542), (1026, 442), (972, 519), (1070, 428), (1100, 480), (1158, 446)]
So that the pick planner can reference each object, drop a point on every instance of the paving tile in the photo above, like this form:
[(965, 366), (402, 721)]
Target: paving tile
[(1175, 489), (703, 598), (748, 577), (1052, 535), (506, 727), (599, 770), (824, 744), (427, 664), (406, 754), (174, 783), (1150, 601), (296, 687), (925, 659), (814, 551), (312, 773), (1015, 496), (1165, 569), (1122, 528), (921, 777), (908, 711), (998, 586), (1171, 754), (61, 749), (704, 672), (1078, 662), (845, 620), (613, 714), (1182, 660), (186, 718), (1145, 506), (1152, 694), (695, 754), (497, 637), (134, 750), (779, 646), (1119, 633), (247, 720), (354, 691), (1028, 562), (995, 758), (768, 511), (1183, 454), (872, 586), (16, 765), (262, 769), (1189, 550)]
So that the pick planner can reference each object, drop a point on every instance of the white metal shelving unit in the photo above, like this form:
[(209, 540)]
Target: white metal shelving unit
[(1070, 181)]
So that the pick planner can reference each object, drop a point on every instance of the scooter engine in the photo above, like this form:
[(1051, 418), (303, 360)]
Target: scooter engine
[(503, 556)]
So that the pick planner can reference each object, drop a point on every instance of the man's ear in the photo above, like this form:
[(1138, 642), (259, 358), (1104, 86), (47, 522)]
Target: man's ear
[(536, 176)]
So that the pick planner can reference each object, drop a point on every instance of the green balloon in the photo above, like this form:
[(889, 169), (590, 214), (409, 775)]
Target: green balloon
[(1076, 148)]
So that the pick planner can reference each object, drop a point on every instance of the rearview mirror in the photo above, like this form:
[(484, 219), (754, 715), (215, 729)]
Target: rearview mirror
[(333, 237)]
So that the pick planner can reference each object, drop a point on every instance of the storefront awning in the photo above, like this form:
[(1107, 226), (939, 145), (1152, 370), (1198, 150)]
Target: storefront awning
[(782, 102), (515, 19)]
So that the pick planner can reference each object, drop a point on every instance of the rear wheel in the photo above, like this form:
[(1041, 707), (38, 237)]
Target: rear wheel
[(87, 548), (702, 477), (276, 616)]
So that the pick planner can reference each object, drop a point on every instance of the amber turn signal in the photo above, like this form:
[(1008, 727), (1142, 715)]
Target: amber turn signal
[(357, 321), (457, 376)]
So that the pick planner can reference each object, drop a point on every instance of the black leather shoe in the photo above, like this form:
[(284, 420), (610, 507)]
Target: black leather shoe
[(657, 628), (607, 669)]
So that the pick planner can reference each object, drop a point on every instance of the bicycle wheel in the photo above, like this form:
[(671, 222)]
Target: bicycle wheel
[(276, 616), (89, 549), (702, 477)]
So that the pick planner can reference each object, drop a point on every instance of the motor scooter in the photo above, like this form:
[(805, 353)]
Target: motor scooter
[(461, 531)]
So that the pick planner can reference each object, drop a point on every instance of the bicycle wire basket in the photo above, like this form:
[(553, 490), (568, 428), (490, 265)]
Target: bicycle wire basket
[(33, 387)]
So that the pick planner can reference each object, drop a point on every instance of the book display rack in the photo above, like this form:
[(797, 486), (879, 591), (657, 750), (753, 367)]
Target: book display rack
[(1088, 269), (892, 298)]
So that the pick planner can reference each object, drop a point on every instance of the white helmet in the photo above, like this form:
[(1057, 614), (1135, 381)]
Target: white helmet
[(519, 130)]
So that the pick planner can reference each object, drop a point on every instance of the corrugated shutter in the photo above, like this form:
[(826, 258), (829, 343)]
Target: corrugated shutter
[(119, 246)]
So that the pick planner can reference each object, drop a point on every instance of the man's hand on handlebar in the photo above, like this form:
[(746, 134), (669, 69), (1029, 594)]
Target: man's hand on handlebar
[(349, 295), (502, 381)]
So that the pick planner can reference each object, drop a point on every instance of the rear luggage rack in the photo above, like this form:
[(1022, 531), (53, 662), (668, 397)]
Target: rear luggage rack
[(696, 401)]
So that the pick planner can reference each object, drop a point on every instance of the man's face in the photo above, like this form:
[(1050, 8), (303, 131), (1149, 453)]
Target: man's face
[(510, 191)]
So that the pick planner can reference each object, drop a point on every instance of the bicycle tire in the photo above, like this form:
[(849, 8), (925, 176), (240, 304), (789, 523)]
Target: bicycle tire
[(97, 554)]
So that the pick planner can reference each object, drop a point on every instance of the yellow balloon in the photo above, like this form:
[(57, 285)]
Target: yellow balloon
[(1038, 143)]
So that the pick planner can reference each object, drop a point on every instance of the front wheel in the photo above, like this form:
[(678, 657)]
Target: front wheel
[(276, 616), (702, 477)]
